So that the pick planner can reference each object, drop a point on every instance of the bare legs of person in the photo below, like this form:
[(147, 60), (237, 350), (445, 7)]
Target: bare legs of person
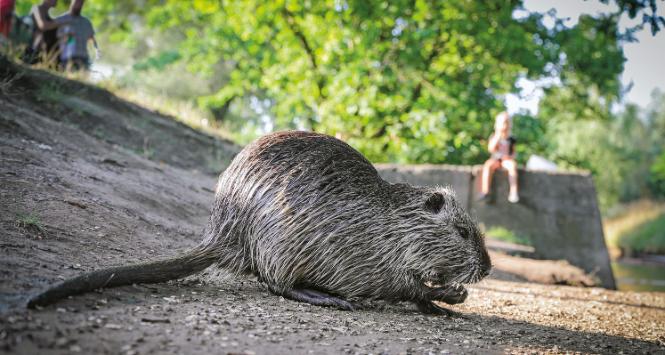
[(511, 166), (490, 166)]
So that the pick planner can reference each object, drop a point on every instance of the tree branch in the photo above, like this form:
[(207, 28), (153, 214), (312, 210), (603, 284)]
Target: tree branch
[(297, 31), (417, 90), (290, 20)]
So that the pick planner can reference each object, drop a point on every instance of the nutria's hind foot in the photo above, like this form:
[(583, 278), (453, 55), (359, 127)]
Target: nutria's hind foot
[(450, 294), (318, 298)]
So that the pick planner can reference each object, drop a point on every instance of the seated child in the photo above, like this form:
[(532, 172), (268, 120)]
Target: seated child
[(502, 147)]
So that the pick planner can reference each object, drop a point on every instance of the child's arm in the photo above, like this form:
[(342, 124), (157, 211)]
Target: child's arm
[(45, 24), (493, 143), (41, 22)]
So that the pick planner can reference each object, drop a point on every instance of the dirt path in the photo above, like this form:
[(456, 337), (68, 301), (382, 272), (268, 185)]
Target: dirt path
[(78, 193)]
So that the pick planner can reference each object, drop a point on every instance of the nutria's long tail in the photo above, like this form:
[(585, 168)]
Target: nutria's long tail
[(190, 263)]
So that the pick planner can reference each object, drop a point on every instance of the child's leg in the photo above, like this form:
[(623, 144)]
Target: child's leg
[(511, 166), (488, 170)]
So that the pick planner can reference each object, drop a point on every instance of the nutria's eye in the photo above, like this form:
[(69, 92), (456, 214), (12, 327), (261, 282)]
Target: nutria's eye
[(463, 232), (435, 202)]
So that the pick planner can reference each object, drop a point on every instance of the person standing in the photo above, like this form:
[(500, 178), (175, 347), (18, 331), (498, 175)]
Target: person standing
[(74, 37), (43, 45), (6, 16), (502, 148)]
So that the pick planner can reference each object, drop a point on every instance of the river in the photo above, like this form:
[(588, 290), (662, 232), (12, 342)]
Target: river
[(639, 276)]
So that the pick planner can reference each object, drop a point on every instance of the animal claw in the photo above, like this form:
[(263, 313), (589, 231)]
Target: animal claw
[(452, 294)]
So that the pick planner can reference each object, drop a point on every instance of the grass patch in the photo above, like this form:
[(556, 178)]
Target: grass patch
[(147, 152), (648, 238), (6, 84), (30, 222), (50, 92), (180, 110), (99, 132), (507, 235)]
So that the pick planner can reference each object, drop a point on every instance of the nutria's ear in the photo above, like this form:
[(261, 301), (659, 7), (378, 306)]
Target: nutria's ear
[(435, 202)]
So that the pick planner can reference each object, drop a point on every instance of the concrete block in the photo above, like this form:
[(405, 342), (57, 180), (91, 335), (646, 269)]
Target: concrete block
[(558, 212), (457, 177)]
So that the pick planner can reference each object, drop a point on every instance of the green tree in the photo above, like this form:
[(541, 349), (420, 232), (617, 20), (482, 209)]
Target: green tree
[(621, 150), (655, 119), (405, 81)]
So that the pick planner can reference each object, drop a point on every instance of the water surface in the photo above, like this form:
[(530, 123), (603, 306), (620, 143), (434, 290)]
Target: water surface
[(631, 276)]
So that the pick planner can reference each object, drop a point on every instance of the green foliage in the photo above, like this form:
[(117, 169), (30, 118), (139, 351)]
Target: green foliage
[(158, 62), (655, 118), (647, 238), (531, 137), (50, 91), (23, 7), (617, 148), (403, 81), (634, 8), (658, 175), (507, 235)]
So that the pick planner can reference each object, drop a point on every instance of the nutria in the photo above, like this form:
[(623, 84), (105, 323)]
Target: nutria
[(310, 216)]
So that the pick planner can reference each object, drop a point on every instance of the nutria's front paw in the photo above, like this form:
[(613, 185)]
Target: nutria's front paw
[(449, 294)]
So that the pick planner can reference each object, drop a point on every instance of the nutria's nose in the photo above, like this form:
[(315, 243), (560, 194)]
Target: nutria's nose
[(486, 272)]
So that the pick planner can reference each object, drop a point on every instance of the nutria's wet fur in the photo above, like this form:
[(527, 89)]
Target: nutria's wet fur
[(311, 217)]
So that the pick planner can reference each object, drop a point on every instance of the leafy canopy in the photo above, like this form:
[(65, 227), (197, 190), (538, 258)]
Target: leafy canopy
[(403, 81)]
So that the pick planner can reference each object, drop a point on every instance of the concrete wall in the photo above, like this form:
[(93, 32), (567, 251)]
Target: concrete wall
[(557, 211), (456, 176)]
